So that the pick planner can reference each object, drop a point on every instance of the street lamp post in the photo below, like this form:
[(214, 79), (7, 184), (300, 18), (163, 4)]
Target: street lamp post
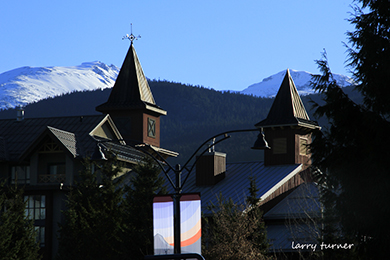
[(260, 143)]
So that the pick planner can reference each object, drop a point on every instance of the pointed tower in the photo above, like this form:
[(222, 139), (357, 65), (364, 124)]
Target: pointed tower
[(131, 103), (287, 127)]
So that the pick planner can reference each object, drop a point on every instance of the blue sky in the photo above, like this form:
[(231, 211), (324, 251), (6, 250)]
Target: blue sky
[(225, 45)]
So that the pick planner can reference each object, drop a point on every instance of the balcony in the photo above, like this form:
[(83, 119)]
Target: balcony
[(51, 178)]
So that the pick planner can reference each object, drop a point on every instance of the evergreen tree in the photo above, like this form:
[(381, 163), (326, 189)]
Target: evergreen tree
[(352, 154), (94, 226), (235, 231), (145, 183), (259, 236), (17, 232)]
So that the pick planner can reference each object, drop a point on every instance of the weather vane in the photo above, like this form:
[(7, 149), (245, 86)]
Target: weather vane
[(131, 37)]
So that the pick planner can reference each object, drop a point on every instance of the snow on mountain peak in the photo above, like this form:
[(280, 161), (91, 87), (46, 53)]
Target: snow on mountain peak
[(26, 85), (30, 84), (269, 86)]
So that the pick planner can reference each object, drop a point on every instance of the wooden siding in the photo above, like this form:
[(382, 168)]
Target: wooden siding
[(291, 154), (210, 168), (285, 189)]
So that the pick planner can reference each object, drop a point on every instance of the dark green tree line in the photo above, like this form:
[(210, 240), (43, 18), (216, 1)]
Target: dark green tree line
[(144, 185), (108, 217), (94, 225)]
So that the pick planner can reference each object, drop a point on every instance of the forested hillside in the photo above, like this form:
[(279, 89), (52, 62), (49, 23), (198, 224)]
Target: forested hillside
[(194, 114)]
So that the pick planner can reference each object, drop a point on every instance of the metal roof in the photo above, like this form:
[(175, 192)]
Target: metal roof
[(19, 135), (124, 152), (303, 202), (18, 138), (236, 182), (131, 89), (66, 138), (288, 108)]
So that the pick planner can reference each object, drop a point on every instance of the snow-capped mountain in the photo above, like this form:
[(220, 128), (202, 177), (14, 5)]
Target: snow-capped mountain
[(270, 85), (30, 84), (26, 85)]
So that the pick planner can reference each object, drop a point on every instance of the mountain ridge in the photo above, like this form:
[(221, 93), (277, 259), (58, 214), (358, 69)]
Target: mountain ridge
[(26, 85), (269, 86)]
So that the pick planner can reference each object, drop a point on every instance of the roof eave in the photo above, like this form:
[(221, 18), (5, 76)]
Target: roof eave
[(309, 124), (283, 181)]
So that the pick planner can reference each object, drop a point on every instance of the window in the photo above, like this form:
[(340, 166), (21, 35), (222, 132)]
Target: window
[(151, 127), (20, 174), (36, 207), (279, 146), (56, 173), (36, 210), (40, 231), (58, 168)]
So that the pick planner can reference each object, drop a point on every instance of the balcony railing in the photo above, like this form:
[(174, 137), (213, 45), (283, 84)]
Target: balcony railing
[(51, 178)]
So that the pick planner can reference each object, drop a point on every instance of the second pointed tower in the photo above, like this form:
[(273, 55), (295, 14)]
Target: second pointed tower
[(287, 127)]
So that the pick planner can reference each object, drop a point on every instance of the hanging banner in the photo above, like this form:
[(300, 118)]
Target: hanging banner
[(190, 218)]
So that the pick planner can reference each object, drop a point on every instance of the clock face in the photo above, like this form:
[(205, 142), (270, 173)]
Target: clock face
[(151, 127)]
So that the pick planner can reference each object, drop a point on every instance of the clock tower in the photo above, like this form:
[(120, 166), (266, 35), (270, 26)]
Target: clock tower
[(131, 103), (288, 127)]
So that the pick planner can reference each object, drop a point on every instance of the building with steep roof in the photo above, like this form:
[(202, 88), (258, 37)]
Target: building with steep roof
[(287, 127), (282, 178), (287, 131), (131, 103), (44, 155)]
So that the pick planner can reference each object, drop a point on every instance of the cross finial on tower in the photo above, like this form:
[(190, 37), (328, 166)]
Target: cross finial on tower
[(131, 37)]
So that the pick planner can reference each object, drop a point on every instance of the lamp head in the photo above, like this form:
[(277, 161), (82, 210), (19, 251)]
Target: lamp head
[(261, 143)]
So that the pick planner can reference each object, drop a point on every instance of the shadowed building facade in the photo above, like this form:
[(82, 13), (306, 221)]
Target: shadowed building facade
[(45, 155)]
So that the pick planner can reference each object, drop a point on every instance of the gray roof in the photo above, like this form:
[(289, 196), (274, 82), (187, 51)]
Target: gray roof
[(66, 138), (288, 108), (303, 204), (18, 138), (123, 151), (20, 135), (236, 183)]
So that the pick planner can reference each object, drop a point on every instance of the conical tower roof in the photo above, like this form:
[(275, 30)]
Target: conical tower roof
[(288, 108), (131, 90)]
